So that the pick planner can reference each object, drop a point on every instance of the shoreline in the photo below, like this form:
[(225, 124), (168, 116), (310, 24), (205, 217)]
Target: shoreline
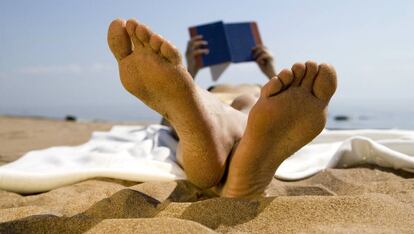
[(80, 120)]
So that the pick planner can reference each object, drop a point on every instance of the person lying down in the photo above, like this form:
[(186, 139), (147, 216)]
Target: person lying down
[(234, 153)]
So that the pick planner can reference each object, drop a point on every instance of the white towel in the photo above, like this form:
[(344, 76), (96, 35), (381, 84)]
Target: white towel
[(133, 153), (340, 148), (143, 154)]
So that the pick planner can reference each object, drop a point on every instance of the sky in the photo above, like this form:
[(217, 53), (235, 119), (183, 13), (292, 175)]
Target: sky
[(54, 59)]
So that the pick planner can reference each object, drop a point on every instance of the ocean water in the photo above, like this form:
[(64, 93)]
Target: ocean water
[(376, 114), (372, 119), (354, 114)]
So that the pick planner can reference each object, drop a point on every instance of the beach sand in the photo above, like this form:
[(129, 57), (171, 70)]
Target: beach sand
[(356, 200)]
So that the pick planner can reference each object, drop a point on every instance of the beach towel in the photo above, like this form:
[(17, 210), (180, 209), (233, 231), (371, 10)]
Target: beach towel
[(147, 153)]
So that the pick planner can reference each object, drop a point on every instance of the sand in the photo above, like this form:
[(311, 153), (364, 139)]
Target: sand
[(355, 200)]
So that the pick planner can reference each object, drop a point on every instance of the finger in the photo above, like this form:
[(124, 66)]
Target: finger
[(257, 51), (196, 37), (191, 42), (193, 39), (198, 44), (263, 59), (258, 54), (200, 51), (259, 47), (263, 50)]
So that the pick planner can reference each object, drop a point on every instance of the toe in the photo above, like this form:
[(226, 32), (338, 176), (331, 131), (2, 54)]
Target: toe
[(170, 52), (286, 77), (143, 33), (325, 82), (277, 83), (298, 70), (156, 42), (310, 74), (271, 88), (118, 39), (131, 26)]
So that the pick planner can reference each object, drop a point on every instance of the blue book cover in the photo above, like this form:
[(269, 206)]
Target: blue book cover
[(227, 42)]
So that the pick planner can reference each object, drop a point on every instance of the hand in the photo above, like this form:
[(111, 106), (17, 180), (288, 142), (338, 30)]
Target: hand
[(264, 60), (196, 47)]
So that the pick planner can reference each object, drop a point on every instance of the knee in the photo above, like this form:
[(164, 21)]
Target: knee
[(244, 102)]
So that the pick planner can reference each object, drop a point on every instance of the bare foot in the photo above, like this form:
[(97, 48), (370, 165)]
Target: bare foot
[(290, 112), (151, 69)]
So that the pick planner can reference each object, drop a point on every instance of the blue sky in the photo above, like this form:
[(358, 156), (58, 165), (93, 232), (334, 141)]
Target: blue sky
[(54, 56)]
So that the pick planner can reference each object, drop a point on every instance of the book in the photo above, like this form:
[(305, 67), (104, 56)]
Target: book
[(227, 42)]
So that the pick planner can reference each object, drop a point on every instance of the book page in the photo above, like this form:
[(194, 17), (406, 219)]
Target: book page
[(217, 70)]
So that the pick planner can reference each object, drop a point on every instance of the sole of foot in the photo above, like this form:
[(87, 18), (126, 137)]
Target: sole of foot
[(290, 112), (151, 69)]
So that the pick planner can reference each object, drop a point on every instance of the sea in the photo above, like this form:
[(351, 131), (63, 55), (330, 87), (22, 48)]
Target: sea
[(354, 114)]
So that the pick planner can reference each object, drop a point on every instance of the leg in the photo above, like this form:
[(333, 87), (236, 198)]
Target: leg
[(244, 103), (152, 71), (241, 97), (290, 112)]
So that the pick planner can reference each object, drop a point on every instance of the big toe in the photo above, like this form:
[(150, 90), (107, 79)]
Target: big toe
[(118, 39), (325, 82)]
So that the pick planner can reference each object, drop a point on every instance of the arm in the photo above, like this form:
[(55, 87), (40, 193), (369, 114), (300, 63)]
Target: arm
[(196, 47), (264, 60)]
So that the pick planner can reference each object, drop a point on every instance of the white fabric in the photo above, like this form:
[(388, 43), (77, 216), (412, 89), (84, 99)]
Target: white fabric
[(133, 153), (142, 154), (340, 148)]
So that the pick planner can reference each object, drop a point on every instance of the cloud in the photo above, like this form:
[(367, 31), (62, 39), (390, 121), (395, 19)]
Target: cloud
[(99, 67), (51, 69), (66, 69)]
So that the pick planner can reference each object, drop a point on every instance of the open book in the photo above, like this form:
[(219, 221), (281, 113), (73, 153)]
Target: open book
[(227, 43)]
